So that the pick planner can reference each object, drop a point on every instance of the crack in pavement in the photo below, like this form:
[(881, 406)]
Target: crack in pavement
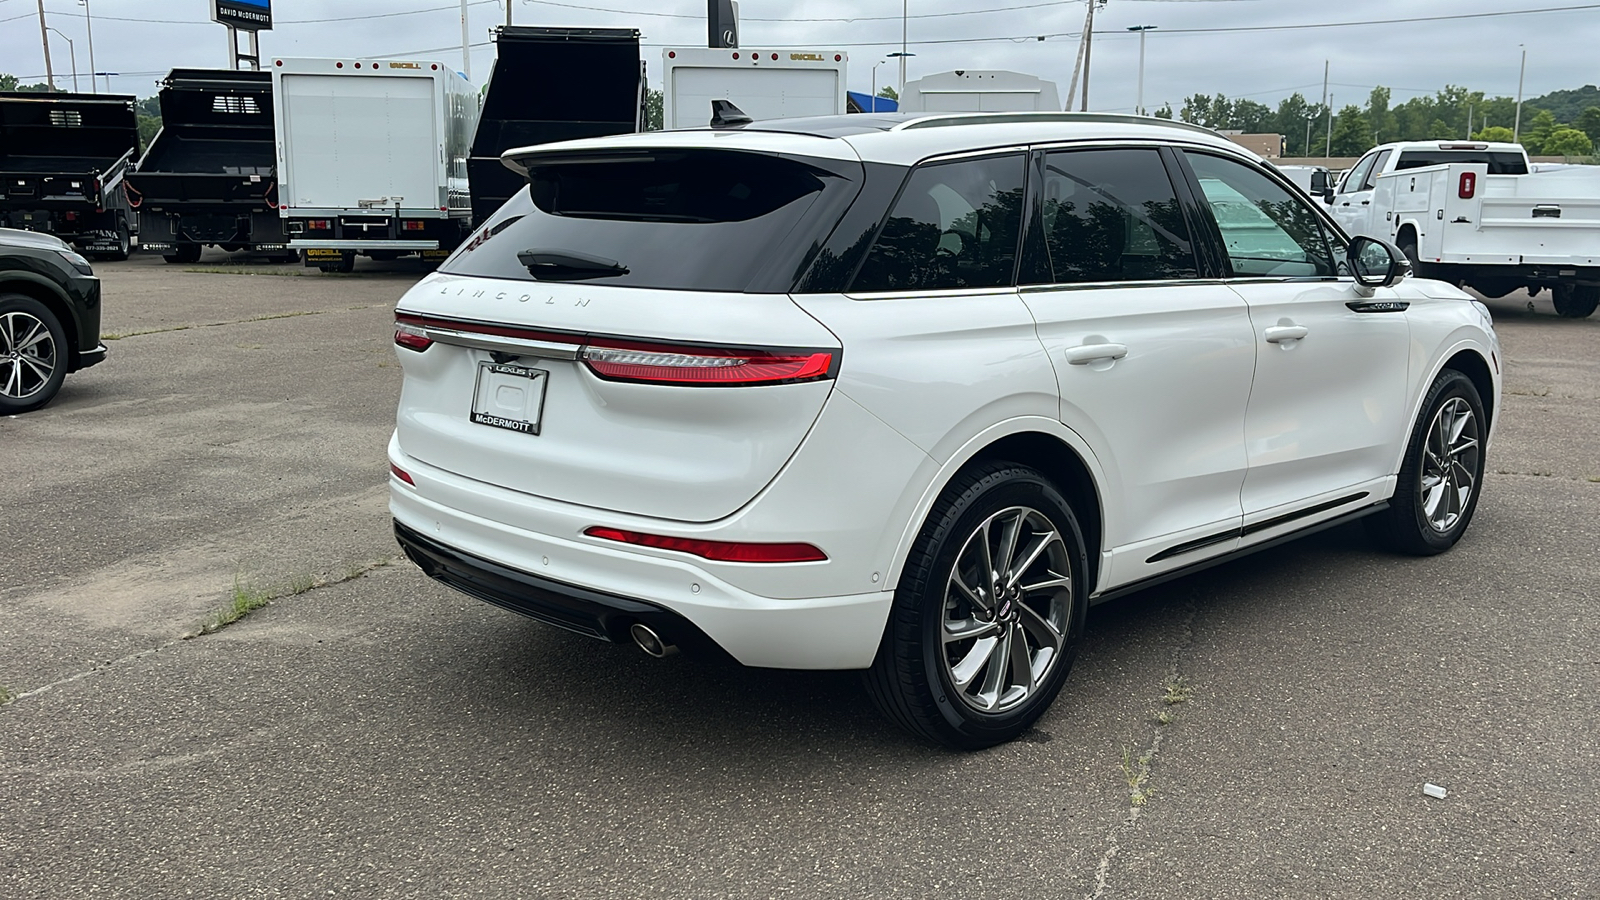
[(202, 630), (116, 336), (1138, 793)]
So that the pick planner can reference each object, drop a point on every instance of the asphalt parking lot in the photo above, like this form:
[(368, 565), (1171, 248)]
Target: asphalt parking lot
[(1263, 729)]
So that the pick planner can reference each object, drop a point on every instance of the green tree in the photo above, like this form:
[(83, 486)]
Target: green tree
[(1567, 142), (1495, 133), (891, 93), (1379, 119), (12, 83), (1440, 131), (653, 100), (1588, 122), (1537, 129), (1351, 136), (1165, 112)]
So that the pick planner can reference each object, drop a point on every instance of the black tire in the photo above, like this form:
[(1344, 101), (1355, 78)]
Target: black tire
[(913, 679), (23, 386), (183, 254), (345, 265), (1409, 525), (1408, 246), (1575, 301)]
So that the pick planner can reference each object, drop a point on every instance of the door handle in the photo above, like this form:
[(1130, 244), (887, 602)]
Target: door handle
[(1084, 354), (1277, 334), (1366, 203)]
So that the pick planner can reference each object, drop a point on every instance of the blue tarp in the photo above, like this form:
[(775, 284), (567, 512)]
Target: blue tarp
[(860, 102)]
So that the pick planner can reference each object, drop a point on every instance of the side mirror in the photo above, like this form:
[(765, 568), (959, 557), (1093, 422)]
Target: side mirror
[(1376, 263), (1327, 196)]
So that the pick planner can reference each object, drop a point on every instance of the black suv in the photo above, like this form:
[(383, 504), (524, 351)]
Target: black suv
[(49, 318)]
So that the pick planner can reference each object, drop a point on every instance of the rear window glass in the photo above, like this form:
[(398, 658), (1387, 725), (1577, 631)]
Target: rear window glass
[(686, 220), (1501, 162)]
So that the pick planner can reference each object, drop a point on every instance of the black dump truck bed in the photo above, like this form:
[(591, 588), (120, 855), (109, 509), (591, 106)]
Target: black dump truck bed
[(215, 145), (62, 158), (552, 84), (209, 177)]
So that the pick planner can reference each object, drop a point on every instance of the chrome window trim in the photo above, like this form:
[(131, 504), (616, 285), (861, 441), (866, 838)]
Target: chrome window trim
[(933, 293)]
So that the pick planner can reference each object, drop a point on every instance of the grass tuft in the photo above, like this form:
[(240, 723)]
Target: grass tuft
[(1177, 691)]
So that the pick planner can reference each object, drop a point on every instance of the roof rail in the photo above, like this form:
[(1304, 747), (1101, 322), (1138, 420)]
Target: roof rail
[(981, 118)]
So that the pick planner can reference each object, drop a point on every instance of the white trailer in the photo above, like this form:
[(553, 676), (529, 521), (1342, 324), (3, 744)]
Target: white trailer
[(372, 157), (980, 90), (764, 84)]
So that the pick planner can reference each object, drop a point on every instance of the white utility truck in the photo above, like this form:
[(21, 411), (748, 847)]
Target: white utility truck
[(763, 84), (1475, 214), (980, 90), (372, 157)]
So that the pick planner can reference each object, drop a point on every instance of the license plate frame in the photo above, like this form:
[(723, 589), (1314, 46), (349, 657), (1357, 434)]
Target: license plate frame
[(510, 397)]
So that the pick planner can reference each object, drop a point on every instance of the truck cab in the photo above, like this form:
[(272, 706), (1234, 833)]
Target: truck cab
[(1351, 202)]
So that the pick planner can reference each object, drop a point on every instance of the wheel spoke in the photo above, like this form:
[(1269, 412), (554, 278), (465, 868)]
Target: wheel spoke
[(971, 665), (989, 574), (1009, 534), (967, 629), (8, 332), (1042, 631), (1034, 552), (1054, 581), (13, 386), (975, 597), (1021, 660), (35, 334), (994, 676)]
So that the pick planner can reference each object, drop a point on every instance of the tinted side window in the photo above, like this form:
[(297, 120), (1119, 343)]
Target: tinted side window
[(954, 226), (1352, 180), (1266, 229), (1113, 215), (1500, 162)]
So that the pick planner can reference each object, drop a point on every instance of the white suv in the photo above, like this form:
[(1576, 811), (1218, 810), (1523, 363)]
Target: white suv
[(909, 393)]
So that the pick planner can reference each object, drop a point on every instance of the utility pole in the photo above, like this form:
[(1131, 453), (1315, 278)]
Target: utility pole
[(508, 12), (1327, 152), (89, 24), (1077, 63), (1469, 121), (1138, 107), (1088, 49), (466, 51), (44, 36), (1329, 108), (1516, 126)]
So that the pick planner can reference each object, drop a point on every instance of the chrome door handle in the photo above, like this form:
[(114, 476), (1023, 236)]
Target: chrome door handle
[(1277, 334), (1084, 354)]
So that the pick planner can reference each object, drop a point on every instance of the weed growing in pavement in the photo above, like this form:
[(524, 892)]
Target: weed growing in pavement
[(1177, 691), (1595, 479), (1137, 772), (1163, 716), (6, 695), (247, 598)]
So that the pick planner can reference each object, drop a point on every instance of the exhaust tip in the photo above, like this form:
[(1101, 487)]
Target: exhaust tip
[(650, 642)]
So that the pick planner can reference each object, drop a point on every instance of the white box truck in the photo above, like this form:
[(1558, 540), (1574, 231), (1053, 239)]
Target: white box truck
[(980, 90), (764, 84), (372, 157)]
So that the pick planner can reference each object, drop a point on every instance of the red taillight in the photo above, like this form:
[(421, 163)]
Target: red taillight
[(411, 337), (411, 225), (669, 364), (721, 551), (1468, 186), (736, 56), (401, 474), (319, 224)]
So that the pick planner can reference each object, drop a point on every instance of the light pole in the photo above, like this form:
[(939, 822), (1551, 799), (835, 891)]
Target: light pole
[(1310, 117), (1142, 29), (1327, 151), (904, 7), (875, 82), (88, 23), (72, 50), (901, 97)]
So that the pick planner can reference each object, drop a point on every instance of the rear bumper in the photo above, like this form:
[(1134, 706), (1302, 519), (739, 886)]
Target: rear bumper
[(93, 357), (320, 244)]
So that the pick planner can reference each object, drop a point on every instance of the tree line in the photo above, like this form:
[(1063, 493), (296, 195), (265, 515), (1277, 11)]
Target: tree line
[(1563, 123)]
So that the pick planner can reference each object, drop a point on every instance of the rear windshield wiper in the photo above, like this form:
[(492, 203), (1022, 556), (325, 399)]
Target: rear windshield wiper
[(556, 265)]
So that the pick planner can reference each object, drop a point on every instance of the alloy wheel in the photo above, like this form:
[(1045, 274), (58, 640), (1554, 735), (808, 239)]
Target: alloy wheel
[(1006, 610), (27, 355), (1449, 464)]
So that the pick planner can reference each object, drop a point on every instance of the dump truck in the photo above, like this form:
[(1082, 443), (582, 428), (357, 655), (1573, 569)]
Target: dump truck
[(372, 157), (529, 99), (62, 160), (209, 176)]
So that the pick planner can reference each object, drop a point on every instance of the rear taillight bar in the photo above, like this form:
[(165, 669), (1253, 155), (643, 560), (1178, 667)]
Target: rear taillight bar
[(720, 551), (638, 362)]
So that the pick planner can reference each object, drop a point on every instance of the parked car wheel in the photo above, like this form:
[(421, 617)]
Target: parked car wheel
[(1408, 246), (33, 349), (124, 241), (1574, 301), (1441, 474), (989, 613)]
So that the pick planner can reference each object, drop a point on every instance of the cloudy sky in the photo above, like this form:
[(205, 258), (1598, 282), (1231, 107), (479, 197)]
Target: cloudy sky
[(1242, 48)]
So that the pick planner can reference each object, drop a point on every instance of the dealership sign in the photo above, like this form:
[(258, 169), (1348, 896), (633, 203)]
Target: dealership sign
[(247, 15)]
